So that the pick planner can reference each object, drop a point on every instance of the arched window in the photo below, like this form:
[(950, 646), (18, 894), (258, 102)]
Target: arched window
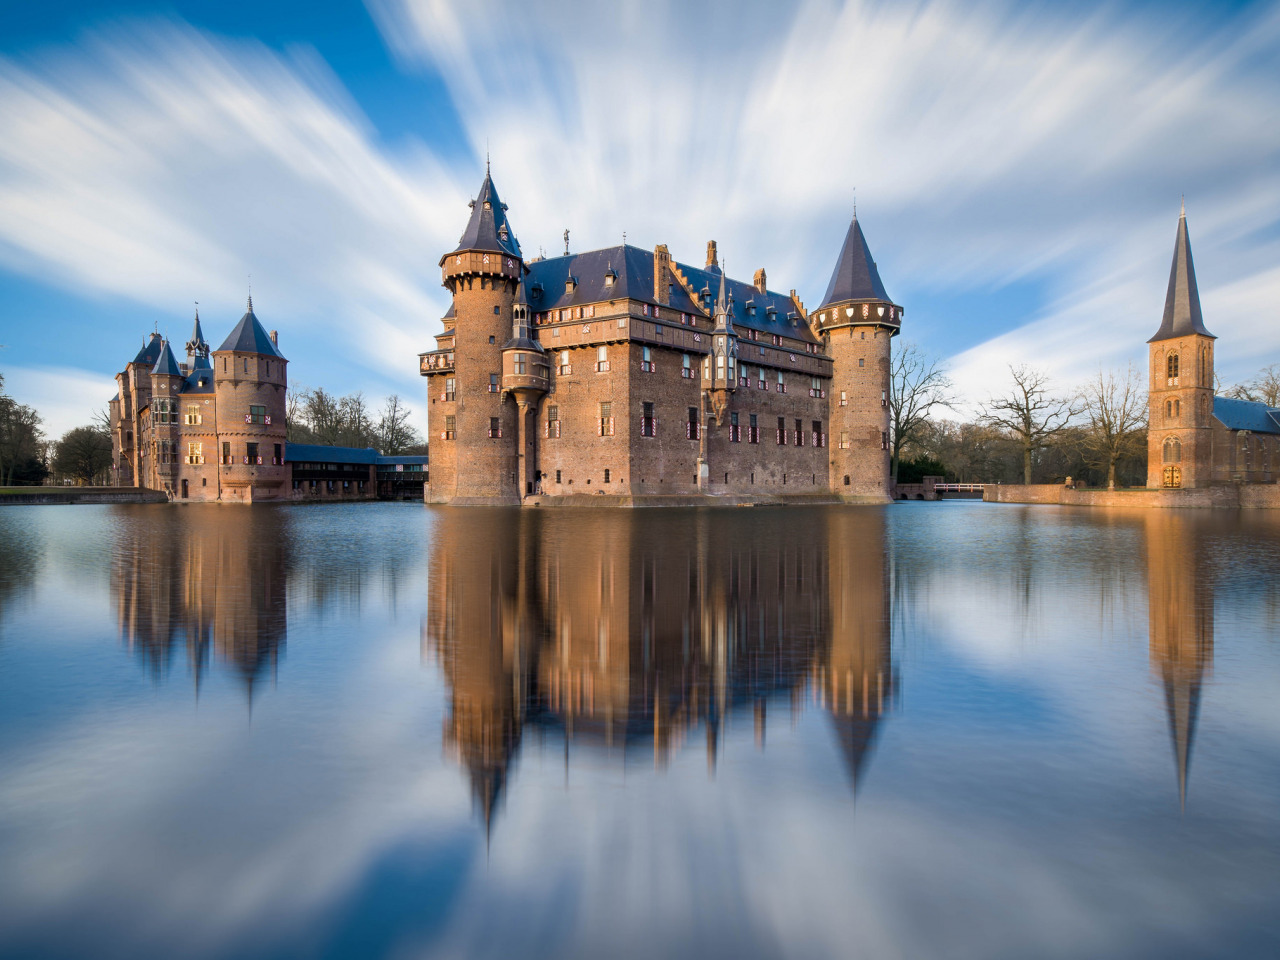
[(1172, 409), (1172, 450), (1246, 450), (1171, 369)]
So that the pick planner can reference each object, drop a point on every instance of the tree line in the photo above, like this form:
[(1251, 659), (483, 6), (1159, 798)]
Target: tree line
[(83, 454), (1030, 432)]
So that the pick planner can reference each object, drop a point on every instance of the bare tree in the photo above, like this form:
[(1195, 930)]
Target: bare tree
[(1029, 413), (1116, 407), (1264, 388), (395, 434), (84, 454), (917, 384)]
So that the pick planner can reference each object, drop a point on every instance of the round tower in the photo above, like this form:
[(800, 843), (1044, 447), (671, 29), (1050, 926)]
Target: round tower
[(250, 382), (857, 321), (474, 430)]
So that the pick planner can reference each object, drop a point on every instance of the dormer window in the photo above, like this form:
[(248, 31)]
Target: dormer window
[(609, 278), (570, 284)]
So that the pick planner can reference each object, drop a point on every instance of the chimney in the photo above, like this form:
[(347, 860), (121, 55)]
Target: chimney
[(711, 254), (275, 337), (760, 280), (661, 266)]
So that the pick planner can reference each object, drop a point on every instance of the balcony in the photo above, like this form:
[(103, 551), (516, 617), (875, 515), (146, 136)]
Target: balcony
[(437, 361)]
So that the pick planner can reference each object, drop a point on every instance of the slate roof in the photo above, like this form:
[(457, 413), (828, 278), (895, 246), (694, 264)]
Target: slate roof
[(405, 459), (250, 337), (634, 269), (855, 276), (200, 380), (1182, 315), (1246, 415), (166, 365), (317, 453), (488, 228), (150, 351), (521, 333)]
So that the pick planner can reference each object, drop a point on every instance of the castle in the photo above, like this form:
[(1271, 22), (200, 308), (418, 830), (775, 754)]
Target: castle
[(1194, 438), (624, 372), (210, 428)]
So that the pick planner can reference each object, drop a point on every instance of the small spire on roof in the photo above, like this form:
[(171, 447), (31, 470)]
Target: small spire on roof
[(1183, 214), (250, 309), (566, 241)]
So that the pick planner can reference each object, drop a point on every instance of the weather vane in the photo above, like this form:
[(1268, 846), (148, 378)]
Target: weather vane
[(566, 241)]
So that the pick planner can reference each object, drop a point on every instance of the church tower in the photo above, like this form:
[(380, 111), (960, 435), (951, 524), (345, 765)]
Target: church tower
[(856, 321), (1179, 426), (474, 431)]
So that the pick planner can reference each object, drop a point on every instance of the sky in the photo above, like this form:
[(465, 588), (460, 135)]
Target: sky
[(1017, 170)]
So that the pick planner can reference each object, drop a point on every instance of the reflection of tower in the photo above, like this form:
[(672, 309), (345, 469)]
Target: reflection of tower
[(1180, 617), (856, 679), (208, 579), (480, 627)]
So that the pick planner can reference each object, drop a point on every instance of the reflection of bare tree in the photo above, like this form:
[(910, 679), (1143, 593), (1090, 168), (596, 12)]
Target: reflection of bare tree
[(206, 579), (19, 558), (629, 631)]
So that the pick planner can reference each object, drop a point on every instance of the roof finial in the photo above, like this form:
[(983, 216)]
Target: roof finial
[(250, 293), (197, 309), (486, 156), (1183, 214), (566, 241), (855, 203)]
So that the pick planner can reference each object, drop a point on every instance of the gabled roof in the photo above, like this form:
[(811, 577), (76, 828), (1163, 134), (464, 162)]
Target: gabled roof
[(488, 228), (166, 365), (546, 283), (1182, 315), (1246, 415), (150, 351), (855, 276), (250, 337)]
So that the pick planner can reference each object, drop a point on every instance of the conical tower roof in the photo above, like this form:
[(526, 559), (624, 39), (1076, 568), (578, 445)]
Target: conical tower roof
[(198, 346), (855, 276), (1182, 302), (166, 365), (250, 337), (724, 315), (150, 351), (488, 228)]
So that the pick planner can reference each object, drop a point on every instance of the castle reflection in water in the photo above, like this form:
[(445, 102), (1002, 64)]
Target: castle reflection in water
[(625, 632)]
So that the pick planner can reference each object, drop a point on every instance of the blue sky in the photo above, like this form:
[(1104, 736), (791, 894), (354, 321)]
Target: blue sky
[(1017, 168)]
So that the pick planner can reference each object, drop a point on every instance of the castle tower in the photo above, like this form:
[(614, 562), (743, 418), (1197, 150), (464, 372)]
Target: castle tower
[(197, 348), (249, 381), (474, 430), (166, 384), (526, 375), (719, 375), (1179, 425), (856, 321)]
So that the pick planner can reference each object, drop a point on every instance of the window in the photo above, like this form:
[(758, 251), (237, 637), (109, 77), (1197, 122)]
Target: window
[(782, 432), (450, 428), (166, 411), (844, 399), (1246, 450), (782, 384), (862, 361), (491, 340), (686, 366), (753, 430), (450, 388), (564, 362), (553, 421), (519, 364), (246, 364), (734, 435), (193, 414), (815, 388), (602, 359), (693, 429), (606, 474), (251, 453), (226, 453), (777, 340), (819, 438), (606, 420), (646, 360), (1172, 450), (256, 414), (648, 422), (884, 440), (165, 452), (799, 433), (493, 383), (844, 440), (495, 427), (1172, 409), (884, 398), (760, 380), (557, 476), (278, 456), (1171, 369)]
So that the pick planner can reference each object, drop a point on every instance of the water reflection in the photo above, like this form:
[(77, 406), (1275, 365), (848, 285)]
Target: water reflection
[(631, 632), (208, 581)]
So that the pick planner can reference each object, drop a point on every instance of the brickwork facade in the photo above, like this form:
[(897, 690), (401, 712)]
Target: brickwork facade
[(588, 374)]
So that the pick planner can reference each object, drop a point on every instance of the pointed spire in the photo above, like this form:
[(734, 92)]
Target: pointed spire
[(166, 365), (855, 276), (724, 316), (488, 228), (1182, 316), (197, 347)]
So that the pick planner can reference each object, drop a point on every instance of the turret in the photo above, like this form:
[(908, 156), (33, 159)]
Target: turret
[(856, 320), (468, 378), (1179, 434), (166, 383), (720, 366), (197, 348)]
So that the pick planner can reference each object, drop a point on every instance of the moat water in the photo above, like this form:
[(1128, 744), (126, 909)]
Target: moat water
[(384, 730)]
